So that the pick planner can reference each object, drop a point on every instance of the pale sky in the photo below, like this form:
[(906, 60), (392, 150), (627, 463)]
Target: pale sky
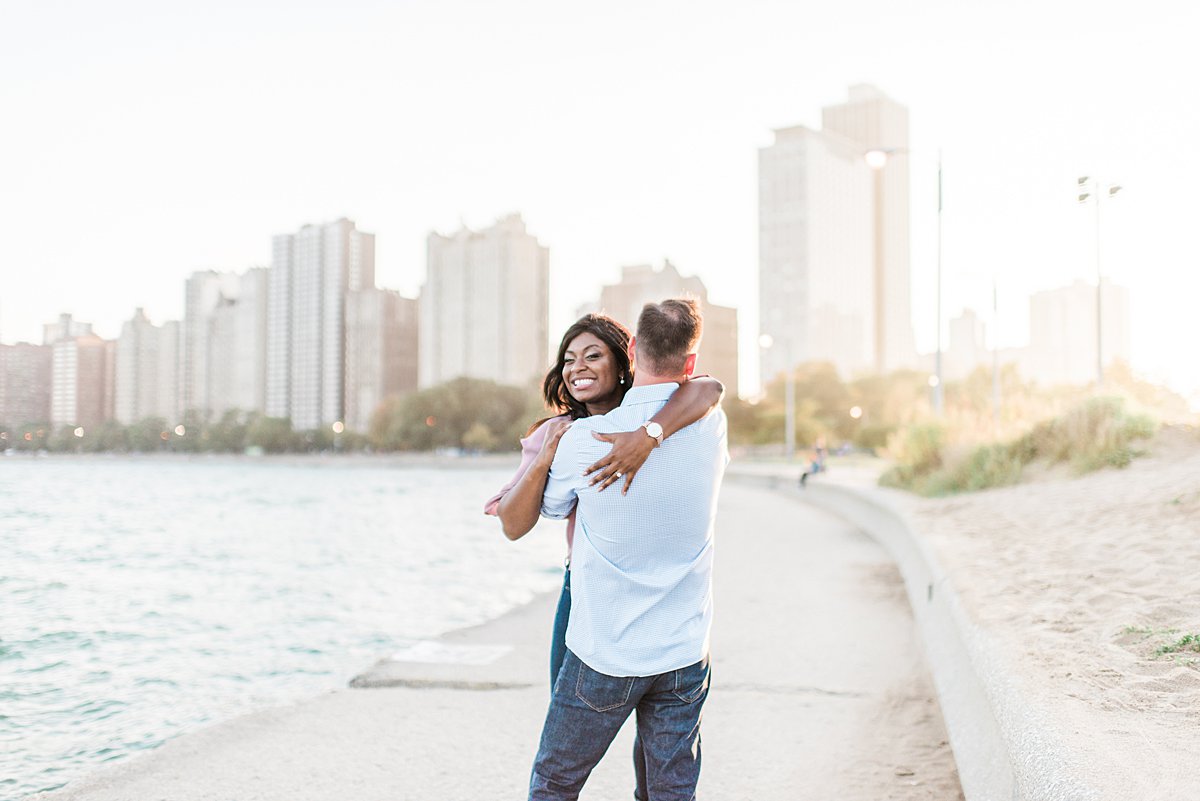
[(140, 141)]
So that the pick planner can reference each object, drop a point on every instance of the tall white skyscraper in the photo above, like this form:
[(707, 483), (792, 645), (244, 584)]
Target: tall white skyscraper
[(147, 370), (311, 272), (877, 123), (833, 240), (485, 305)]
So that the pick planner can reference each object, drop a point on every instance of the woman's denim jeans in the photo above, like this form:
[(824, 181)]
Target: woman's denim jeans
[(588, 708), (558, 640)]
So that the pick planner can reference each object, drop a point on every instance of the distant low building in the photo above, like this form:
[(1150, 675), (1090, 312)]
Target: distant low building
[(1062, 332), (967, 346), (641, 284), (1062, 337)]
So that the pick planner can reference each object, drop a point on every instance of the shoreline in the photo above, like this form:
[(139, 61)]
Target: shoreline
[(489, 461)]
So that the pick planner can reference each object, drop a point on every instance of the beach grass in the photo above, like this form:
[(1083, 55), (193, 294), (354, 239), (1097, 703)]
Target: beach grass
[(1097, 433), (1188, 643)]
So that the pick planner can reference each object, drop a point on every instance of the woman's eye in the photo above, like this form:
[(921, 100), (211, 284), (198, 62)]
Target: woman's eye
[(593, 356)]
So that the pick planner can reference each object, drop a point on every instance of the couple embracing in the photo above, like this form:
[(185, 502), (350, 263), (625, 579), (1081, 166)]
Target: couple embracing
[(631, 635)]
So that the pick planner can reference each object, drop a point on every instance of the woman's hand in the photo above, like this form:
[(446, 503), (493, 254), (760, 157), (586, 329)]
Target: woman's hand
[(554, 431), (630, 449)]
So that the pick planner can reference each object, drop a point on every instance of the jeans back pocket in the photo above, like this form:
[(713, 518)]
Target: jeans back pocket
[(691, 682), (602, 692)]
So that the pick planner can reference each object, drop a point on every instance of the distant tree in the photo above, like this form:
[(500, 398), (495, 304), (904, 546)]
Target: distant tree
[(109, 436), (228, 434), (31, 436), (146, 435), (479, 438), (441, 416), (272, 434), (753, 423), (63, 440)]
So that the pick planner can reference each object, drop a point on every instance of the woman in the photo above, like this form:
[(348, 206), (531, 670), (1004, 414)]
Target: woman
[(590, 376)]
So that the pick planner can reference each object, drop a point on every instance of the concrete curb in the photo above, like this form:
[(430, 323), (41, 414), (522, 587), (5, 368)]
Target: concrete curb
[(1005, 750)]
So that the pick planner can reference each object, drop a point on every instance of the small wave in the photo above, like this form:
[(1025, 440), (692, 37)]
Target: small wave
[(148, 681), (41, 668)]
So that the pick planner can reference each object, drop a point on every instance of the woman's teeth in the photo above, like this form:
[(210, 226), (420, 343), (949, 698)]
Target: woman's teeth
[(582, 383)]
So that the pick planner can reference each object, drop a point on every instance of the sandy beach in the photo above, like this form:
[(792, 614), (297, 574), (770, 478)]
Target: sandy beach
[(1086, 586)]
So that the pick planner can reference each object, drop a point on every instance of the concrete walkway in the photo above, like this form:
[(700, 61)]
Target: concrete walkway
[(819, 692)]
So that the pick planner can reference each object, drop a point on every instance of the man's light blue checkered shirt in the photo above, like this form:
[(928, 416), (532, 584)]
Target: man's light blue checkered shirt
[(641, 566)]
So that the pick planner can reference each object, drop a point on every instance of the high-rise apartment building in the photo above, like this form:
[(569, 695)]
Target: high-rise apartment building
[(224, 343), (147, 370), (236, 347), (204, 291), (642, 284), (485, 305), (25, 383), (833, 240), (65, 327), (381, 351), (81, 381), (311, 272)]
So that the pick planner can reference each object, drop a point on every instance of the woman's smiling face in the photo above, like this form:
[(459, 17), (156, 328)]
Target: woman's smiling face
[(590, 372)]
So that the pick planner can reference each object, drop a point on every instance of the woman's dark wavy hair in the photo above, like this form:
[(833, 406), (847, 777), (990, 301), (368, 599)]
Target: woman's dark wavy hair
[(554, 389)]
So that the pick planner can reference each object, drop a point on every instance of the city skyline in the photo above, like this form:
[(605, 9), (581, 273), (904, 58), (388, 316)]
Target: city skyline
[(615, 161)]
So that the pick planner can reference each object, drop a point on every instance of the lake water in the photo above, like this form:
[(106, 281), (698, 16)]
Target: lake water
[(143, 597)]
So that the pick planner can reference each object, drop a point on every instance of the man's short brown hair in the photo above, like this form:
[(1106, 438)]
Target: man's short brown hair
[(666, 333)]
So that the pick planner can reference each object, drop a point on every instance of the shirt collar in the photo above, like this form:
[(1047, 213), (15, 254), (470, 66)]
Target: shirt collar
[(649, 393)]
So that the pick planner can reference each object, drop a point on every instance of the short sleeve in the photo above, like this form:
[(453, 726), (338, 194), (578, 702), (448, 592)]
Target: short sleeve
[(530, 447)]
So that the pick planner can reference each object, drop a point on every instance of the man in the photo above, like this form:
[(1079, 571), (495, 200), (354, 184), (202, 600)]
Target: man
[(641, 580)]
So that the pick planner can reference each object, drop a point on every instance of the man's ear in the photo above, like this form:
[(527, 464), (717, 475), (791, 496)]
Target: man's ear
[(689, 365), (633, 353)]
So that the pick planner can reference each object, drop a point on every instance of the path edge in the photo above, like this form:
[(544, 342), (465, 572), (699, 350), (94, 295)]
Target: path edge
[(1004, 748)]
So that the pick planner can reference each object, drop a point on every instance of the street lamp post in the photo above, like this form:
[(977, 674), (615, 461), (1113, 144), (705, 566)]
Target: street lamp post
[(766, 342), (995, 358), (1090, 190), (939, 390), (877, 159)]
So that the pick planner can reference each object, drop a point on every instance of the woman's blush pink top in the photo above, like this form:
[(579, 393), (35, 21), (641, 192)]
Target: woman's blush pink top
[(530, 447)]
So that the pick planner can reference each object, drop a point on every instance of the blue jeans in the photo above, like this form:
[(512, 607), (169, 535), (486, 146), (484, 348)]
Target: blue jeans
[(589, 707)]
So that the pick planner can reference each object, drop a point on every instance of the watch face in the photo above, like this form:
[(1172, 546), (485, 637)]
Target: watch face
[(654, 430)]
